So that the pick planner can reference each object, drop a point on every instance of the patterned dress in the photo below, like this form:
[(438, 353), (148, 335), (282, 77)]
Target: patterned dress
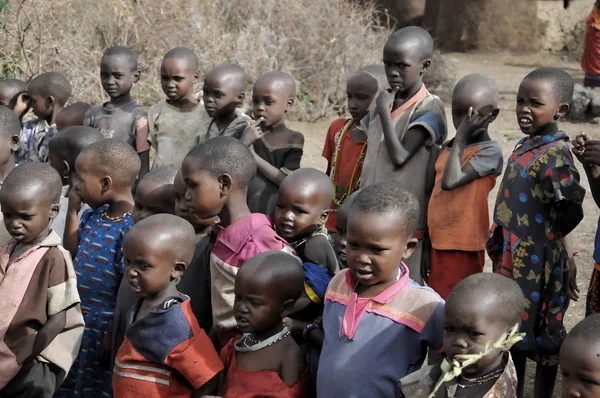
[(540, 184), (99, 273)]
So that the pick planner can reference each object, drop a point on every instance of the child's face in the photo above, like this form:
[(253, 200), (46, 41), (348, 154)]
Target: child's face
[(150, 265), (257, 306), (8, 146), (204, 193), (88, 184), (298, 211), (469, 324), (220, 94), (40, 105), (377, 243), (27, 214), (177, 79), (339, 238), (270, 101), (116, 75), (404, 64), (537, 106), (184, 210), (580, 368), (361, 90), (8, 96), (152, 198)]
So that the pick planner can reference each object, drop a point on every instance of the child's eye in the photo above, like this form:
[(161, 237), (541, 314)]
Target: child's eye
[(475, 334), (377, 250), (178, 78), (519, 100), (269, 102), (448, 329), (353, 245), (300, 211), (145, 266), (219, 95), (27, 217)]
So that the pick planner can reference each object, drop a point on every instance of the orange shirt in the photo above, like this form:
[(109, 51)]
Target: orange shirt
[(459, 219)]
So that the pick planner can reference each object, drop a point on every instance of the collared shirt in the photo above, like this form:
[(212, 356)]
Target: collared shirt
[(34, 139), (234, 129), (371, 343)]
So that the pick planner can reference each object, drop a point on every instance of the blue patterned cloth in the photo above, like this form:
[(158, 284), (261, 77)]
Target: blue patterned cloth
[(317, 277), (98, 265), (33, 141)]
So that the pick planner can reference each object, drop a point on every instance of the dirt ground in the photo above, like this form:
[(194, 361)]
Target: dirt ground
[(508, 70)]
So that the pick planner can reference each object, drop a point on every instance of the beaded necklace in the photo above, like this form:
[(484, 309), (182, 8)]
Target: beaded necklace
[(477, 381), (319, 231), (106, 217), (248, 344), (334, 165)]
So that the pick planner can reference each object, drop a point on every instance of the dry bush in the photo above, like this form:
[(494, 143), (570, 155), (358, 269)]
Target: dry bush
[(319, 42)]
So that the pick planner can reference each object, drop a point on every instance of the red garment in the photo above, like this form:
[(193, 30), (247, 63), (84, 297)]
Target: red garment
[(590, 62), (448, 267), (240, 383), (346, 162)]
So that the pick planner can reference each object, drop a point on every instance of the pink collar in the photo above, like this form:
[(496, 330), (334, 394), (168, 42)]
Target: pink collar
[(390, 292)]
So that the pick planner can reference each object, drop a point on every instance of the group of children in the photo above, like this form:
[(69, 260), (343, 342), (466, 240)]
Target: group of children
[(226, 269)]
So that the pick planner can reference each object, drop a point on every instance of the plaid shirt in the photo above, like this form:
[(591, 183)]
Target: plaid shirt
[(34, 139)]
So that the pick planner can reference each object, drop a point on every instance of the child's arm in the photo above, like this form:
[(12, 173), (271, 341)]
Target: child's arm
[(318, 250), (574, 292), (454, 175), (587, 152), (293, 365), (142, 145), (292, 162), (71, 234), (399, 154), (209, 388), (53, 326)]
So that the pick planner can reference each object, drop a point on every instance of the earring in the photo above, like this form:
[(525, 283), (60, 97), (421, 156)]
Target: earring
[(555, 117)]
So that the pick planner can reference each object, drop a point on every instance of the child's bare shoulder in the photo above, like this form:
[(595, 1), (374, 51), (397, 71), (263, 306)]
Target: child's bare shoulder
[(295, 137)]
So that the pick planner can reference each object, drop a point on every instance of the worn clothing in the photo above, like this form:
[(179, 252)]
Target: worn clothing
[(540, 184), (33, 141), (231, 247), (348, 164), (234, 129), (36, 379), (241, 383), (421, 383), (165, 353), (98, 264), (36, 285), (449, 267), (262, 192), (58, 224), (590, 62), (459, 219), (371, 343), (173, 131), (127, 123)]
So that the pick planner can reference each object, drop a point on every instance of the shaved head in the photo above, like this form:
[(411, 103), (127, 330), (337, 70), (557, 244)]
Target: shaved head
[(413, 37), (280, 81), (229, 74), (276, 268), (183, 53), (33, 178), (313, 183), (478, 87)]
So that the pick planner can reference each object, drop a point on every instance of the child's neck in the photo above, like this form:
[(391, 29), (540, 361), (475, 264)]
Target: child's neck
[(52, 117), (549, 129), (201, 233), (235, 208), (152, 302), (120, 203), (265, 334), (404, 96), (484, 136), (225, 120), (23, 247), (357, 133), (7, 168), (185, 103), (122, 100), (276, 128)]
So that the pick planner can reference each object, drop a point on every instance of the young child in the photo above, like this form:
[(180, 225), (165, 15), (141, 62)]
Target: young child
[(121, 118), (13, 94), (276, 149), (480, 309), (10, 128), (105, 173), (466, 172), (196, 280), (265, 361), (346, 141), (539, 202), (579, 360), (165, 352), (223, 92), (63, 150), (378, 324), (405, 129), (47, 93), (173, 124), (72, 115), (41, 324), (217, 173), (341, 225), (155, 194)]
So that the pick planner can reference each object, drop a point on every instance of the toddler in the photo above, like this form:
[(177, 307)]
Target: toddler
[(173, 124), (479, 310), (538, 204), (217, 173), (223, 92), (63, 150), (121, 118), (41, 324), (466, 172), (276, 149), (346, 141), (341, 225), (580, 360), (265, 361), (406, 128), (165, 352), (105, 172), (13, 94), (48, 94), (72, 115), (10, 128), (378, 324)]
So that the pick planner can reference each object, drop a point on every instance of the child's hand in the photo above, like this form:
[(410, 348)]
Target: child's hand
[(75, 200), (385, 101), (587, 150), (474, 122), (252, 132), (579, 144), (22, 104), (574, 288), (294, 325)]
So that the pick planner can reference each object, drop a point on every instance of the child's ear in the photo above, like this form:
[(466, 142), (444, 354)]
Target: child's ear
[(324, 217), (290, 103), (106, 183), (49, 102), (426, 65), (411, 245), (54, 210), (136, 76), (287, 307), (226, 184), (240, 99), (66, 174), (14, 143), (563, 109), (178, 270), (196, 77)]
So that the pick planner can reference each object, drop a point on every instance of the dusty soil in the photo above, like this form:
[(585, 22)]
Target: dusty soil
[(508, 70)]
